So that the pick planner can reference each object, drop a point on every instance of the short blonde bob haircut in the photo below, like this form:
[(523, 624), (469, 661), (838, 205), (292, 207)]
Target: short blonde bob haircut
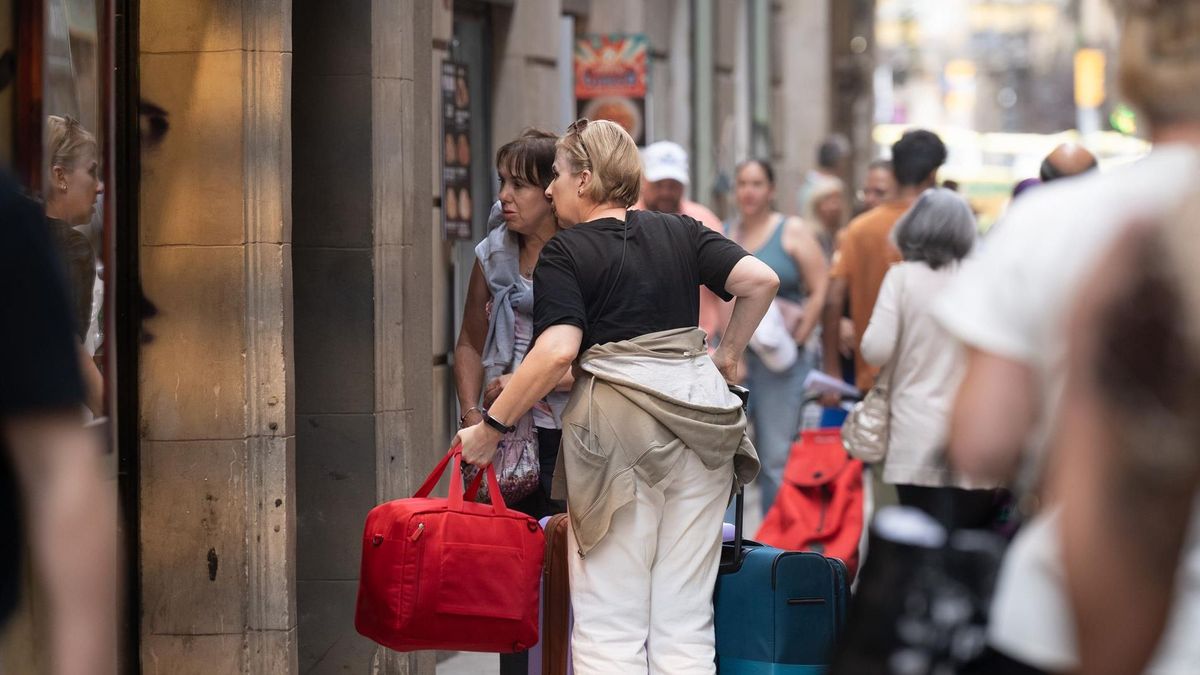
[(1159, 63), (607, 150)]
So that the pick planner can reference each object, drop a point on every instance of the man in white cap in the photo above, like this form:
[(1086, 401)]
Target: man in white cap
[(665, 178)]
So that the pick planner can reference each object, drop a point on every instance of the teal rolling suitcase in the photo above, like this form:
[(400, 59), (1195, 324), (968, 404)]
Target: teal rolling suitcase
[(777, 612)]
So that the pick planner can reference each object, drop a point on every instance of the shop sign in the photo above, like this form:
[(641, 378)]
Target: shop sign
[(456, 158), (610, 80)]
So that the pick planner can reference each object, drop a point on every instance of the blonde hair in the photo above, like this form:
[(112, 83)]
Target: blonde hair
[(605, 149), (67, 142), (1159, 67), (821, 189)]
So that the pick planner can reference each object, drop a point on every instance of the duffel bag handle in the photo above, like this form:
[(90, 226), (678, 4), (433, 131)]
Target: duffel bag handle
[(456, 483)]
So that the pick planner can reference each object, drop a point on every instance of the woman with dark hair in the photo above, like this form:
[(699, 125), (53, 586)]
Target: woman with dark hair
[(925, 363), (497, 323), (789, 248), (497, 328), (655, 442)]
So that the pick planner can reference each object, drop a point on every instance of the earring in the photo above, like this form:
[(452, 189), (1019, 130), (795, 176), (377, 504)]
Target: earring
[(62, 186)]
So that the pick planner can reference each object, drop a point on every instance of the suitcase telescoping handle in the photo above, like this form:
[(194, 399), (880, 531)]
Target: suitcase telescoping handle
[(739, 501), (453, 459)]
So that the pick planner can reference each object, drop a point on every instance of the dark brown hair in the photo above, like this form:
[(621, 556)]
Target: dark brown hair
[(529, 157)]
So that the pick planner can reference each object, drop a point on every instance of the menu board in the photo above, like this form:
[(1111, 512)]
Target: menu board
[(456, 157)]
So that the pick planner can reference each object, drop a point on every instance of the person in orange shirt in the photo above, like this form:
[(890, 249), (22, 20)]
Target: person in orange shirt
[(865, 252), (665, 179)]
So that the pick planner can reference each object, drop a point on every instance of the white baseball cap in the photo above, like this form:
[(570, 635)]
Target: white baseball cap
[(665, 160)]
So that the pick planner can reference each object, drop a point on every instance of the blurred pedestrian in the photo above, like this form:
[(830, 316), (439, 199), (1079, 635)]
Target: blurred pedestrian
[(789, 248), (50, 465), (1127, 462), (825, 213), (866, 251), (833, 161), (925, 363), (1010, 305), (497, 325), (878, 187), (647, 476), (665, 180), (1065, 160)]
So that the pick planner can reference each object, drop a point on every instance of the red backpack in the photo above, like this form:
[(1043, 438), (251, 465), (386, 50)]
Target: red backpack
[(820, 503)]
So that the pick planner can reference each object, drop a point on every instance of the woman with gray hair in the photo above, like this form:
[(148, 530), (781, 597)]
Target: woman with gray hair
[(924, 364)]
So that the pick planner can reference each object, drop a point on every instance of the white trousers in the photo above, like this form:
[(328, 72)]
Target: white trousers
[(642, 597)]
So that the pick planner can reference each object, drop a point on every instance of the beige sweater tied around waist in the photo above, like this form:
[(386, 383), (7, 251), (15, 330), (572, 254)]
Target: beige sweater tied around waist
[(637, 406)]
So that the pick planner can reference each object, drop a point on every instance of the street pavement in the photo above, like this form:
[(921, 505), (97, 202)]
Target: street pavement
[(472, 663)]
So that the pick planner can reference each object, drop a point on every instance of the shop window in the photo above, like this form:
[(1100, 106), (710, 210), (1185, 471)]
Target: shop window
[(70, 177)]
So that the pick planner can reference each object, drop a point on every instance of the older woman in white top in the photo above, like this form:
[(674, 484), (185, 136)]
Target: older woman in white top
[(925, 362)]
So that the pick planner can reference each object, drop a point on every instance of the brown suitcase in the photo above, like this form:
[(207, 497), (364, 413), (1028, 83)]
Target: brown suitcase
[(556, 598)]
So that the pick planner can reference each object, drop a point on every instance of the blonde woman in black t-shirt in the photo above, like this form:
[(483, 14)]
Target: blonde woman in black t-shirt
[(653, 440)]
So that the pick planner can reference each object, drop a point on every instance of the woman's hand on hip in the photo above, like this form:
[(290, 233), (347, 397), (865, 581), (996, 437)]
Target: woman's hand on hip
[(728, 364), (478, 444)]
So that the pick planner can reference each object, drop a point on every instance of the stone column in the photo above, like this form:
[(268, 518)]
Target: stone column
[(401, 151), (216, 383), (363, 301), (525, 91)]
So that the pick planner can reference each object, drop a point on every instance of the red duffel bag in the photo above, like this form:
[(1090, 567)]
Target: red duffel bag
[(450, 574)]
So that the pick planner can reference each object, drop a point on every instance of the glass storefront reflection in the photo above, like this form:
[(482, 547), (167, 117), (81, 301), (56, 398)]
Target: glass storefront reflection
[(72, 188)]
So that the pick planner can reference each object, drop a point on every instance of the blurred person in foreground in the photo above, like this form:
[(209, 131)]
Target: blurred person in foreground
[(656, 443), (1127, 461), (926, 364), (1010, 305), (47, 458), (866, 252), (665, 180)]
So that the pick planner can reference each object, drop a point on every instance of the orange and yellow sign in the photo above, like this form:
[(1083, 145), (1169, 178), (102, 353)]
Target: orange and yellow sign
[(610, 80)]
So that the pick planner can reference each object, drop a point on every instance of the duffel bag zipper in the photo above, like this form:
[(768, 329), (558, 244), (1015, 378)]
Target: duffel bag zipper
[(417, 532)]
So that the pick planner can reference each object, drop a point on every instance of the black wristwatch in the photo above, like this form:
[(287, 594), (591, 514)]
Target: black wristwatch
[(497, 424)]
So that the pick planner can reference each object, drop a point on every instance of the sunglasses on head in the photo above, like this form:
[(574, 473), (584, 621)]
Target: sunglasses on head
[(577, 128)]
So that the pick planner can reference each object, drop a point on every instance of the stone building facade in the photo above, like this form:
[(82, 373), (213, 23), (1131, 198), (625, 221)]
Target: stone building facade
[(281, 215)]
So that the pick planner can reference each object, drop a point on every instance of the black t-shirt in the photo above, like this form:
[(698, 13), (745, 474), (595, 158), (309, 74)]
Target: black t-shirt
[(38, 351), (79, 261), (667, 258)]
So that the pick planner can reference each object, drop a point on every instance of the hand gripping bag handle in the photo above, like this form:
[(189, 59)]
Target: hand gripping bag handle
[(456, 483)]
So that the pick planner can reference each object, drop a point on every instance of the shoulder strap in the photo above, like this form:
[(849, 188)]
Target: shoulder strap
[(891, 364), (779, 231), (620, 267)]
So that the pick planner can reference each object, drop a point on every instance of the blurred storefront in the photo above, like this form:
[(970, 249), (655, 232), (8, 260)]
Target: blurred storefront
[(1003, 83), (61, 62)]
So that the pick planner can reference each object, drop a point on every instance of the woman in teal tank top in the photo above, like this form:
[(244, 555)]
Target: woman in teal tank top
[(789, 248)]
